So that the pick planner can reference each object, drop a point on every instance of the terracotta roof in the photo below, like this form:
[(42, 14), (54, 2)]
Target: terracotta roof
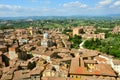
[(118, 78), (116, 62), (100, 59), (12, 49), (89, 53), (1, 72), (8, 75), (2, 46), (80, 70), (17, 75), (25, 74), (77, 28), (1, 53), (36, 71), (104, 69), (74, 64), (24, 64), (6, 54), (55, 78), (96, 72), (99, 69), (90, 61)]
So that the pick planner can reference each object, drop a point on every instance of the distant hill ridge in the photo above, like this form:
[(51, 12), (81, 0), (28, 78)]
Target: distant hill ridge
[(57, 17)]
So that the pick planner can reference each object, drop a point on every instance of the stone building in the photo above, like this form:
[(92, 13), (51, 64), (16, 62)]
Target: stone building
[(116, 30), (116, 66), (88, 32), (1, 63), (12, 52), (46, 41), (22, 55), (3, 48), (81, 69)]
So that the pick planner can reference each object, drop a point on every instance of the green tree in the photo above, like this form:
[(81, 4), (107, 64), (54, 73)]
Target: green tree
[(76, 40)]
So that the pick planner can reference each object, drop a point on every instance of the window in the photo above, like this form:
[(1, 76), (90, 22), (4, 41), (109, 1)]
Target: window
[(76, 76)]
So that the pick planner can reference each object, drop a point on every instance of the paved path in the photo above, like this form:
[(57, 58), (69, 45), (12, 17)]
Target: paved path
[(81, 44)]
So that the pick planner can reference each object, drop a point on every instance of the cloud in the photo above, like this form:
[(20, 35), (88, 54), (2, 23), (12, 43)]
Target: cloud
[(75, 4), (14, 10), (63, 9), (117, 3), (9, 7), (104, 3), (47, 2)]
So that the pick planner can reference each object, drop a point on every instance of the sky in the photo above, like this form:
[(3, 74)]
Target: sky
[(18, 8)]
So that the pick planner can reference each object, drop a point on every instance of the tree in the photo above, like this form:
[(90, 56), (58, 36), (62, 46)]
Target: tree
[(76, 40)]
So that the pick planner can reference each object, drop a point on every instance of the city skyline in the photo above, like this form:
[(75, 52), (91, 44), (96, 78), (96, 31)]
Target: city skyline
[(16, 8)]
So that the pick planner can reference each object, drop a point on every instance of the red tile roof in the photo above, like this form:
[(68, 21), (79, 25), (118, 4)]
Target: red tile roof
[(79, 70), (100, 59), (99, 69), (96, 72)]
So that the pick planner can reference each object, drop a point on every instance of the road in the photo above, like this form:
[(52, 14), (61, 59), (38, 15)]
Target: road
[(81, 45)]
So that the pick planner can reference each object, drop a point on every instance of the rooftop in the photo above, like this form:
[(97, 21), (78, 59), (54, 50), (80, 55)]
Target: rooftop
[(99, 69), (116, 62)]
